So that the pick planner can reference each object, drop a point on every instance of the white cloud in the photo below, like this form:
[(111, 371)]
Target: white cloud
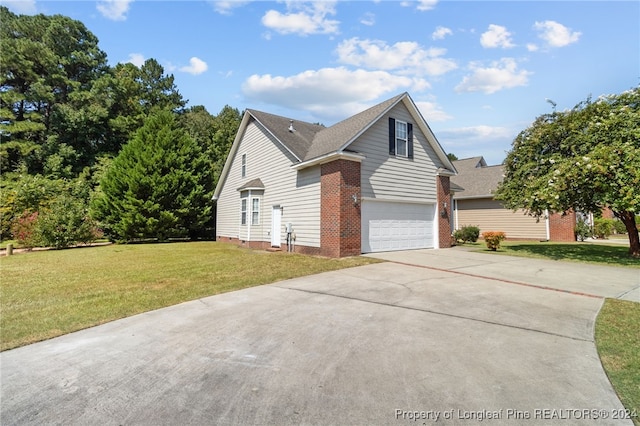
[(21, 7), (404, 56), (368, 19), (432, 112), (426, 4), (115, 10), (226, 7), (303, 18), (196, 66), (496, 36), (328, 92), (136, 59), (532, 47), (489, 141), (440, 33), (503, 74), (555, 34)]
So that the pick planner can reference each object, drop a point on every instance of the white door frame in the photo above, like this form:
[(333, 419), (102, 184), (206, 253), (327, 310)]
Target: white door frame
[(276, 224)]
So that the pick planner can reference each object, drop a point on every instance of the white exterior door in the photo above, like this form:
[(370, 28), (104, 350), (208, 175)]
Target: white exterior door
[(276, 219), (388, 226)]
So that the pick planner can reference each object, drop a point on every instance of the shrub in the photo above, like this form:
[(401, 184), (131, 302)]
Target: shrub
[(24, 229), (66, 224), (619, 227), (602, 228), (493, 239), (467, 234), (582, 230)]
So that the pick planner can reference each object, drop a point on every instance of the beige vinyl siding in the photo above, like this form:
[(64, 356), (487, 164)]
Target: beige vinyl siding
[(298, 193), (396, 178), (489, 215)]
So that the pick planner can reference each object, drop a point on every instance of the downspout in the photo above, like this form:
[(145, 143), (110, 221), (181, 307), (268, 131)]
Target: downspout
[(546, 223)]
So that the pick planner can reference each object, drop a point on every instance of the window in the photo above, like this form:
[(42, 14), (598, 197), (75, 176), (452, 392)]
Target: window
[(255, 211), (244, 165), (243, 211), (401, 138)]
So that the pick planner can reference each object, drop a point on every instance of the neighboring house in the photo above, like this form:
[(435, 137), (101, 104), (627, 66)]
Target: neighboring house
[(475, 206), (376, 181)]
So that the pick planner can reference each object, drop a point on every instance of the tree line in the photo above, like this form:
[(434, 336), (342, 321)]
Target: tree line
[(88, 149)]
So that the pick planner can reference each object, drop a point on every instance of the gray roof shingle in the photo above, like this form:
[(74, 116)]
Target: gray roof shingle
[(310, 141), (477, 179)]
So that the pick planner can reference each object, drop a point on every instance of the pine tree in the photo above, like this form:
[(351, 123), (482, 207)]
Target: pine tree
[(159, 185)]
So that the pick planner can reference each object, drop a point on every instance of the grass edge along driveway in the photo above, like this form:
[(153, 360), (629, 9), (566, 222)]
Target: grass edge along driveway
[(50, 293)]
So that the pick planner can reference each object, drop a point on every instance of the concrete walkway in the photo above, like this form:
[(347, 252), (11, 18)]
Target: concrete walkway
[(378, 344)]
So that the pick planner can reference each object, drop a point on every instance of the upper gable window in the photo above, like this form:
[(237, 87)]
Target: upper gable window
[(400, 138), (244, 165)]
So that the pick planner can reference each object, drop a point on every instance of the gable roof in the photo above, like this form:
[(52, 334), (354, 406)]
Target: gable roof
[(313, 144), (476, 178)]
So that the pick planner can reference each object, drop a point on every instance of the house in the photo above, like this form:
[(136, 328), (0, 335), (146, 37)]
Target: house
[(475, 205), (377, 181)]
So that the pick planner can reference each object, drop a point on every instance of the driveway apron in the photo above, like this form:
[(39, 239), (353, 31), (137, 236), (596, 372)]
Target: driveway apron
[(388, 343)]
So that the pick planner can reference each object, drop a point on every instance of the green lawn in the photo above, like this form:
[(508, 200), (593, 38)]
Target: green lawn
[(48, 293), (602, 253), (618, 342)]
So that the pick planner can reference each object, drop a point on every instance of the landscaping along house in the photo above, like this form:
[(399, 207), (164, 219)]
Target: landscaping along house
[(377, 181)]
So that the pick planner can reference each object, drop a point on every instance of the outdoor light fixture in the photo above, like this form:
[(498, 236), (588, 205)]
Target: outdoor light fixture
[(355, 199)]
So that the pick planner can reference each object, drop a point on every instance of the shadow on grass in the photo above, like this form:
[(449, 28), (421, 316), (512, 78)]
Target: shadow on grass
[(581, 252)]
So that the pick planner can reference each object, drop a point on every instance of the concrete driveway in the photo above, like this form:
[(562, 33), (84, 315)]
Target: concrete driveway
[(389, 343)]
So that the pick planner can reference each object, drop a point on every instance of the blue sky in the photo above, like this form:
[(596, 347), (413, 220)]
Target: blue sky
[(480, 72)]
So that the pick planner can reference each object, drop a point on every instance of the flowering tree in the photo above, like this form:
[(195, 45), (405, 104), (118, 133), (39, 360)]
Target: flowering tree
[(587, 159)]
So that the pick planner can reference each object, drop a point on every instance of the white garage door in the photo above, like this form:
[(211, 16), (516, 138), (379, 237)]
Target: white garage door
[(388, 226)]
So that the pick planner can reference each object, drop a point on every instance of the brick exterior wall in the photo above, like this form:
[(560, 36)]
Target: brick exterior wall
[(340, 217), (562, 226), (444, 219)]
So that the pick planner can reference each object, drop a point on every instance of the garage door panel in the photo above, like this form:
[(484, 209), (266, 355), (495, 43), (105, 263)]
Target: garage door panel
[(390, 226)]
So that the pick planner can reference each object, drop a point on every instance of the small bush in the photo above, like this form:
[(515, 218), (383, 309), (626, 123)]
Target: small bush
[(582, 230), (493, 239), (618, 227), (467, 234), (602, 228), (66, 223), (24, 229)]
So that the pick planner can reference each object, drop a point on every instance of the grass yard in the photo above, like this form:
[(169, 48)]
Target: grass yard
[(618, 342), (608, 254), (49, 293)]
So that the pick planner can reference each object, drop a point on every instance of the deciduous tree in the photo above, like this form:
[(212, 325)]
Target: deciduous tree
[(586, 159)]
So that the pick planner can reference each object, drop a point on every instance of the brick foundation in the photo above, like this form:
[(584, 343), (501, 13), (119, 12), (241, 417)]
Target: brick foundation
[(266, 245), (340, 216), (444, 218), (562, 226)]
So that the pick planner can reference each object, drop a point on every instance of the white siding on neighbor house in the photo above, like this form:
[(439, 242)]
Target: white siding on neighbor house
[(396, 178), (490, 215), (298, 193)]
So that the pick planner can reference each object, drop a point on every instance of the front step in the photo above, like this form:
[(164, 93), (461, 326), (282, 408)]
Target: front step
[(274, 249)]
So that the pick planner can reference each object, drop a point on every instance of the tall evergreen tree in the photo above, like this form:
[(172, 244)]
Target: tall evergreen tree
[(159, 186)]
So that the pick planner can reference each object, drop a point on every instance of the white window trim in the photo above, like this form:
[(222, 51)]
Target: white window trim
[(255, 212), (405, 139), (243, 165), (243, 211)]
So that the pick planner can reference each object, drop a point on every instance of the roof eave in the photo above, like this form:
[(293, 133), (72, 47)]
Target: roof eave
[(327, 158)]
